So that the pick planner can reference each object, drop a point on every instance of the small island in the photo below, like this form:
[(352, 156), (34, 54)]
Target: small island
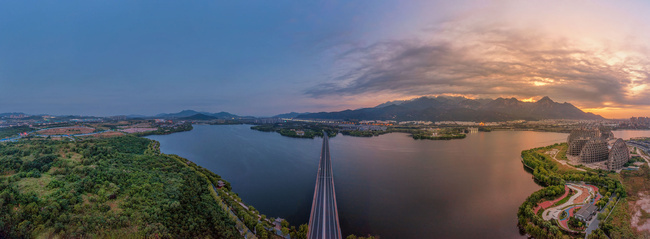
[(300, 129), (297, 130)]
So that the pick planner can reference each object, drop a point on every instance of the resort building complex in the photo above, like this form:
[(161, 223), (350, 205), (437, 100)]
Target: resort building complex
[(594, 145), (618, 154)]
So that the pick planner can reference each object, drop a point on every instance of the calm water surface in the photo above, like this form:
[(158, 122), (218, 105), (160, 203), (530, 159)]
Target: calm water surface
[(391, 185)]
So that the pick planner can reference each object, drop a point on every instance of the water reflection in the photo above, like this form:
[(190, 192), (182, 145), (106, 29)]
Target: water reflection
[(391, 185)]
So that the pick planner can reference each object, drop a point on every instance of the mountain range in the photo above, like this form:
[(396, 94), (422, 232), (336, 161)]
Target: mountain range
[(290, 115), (191, 114), (443, 108)]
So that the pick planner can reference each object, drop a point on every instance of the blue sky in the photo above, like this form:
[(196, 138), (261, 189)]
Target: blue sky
[(268, 57)]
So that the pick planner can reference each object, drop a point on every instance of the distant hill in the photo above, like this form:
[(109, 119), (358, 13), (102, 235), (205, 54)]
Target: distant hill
[(290, 115), (10, 114), (189, 113), (133, 116), (199, 116), (33, 117), (443, 108), (184, 113), (225, 115)]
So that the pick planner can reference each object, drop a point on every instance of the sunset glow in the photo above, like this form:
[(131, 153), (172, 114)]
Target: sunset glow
[(229, 119), (339, 56)]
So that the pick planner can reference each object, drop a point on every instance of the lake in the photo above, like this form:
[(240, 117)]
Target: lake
[(390, 185)]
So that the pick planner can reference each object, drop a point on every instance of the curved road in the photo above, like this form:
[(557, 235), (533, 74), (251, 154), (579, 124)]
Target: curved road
[(324, 217), (554, 212)]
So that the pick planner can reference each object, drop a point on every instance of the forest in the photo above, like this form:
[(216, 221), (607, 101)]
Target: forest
[(105, 188), (9, 132)]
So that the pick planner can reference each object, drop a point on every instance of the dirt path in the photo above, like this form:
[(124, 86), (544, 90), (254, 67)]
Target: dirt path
[(554, 153)]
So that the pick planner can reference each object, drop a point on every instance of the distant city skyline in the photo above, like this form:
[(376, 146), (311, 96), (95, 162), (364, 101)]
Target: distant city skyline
[(266, 58)]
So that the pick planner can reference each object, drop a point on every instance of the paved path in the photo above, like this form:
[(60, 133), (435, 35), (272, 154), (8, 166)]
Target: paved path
[(554, 212), (563, 162), (241, 227), (324, 217), (593, 225), (642, 149), (646, 158), (569, 212), (570, 205), (592, 197)]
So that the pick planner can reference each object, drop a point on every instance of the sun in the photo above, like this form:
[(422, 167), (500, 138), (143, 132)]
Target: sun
[(531, 99)]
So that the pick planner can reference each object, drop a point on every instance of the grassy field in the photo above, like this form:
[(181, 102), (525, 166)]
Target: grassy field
[(561, 155), (565, 199), (36, 185), (66, 130), (620, 222)]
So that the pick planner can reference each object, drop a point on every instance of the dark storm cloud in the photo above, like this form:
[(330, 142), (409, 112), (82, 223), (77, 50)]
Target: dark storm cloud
[(492, 63)]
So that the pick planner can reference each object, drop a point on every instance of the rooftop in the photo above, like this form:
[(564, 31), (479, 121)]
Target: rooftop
[(586, 211)]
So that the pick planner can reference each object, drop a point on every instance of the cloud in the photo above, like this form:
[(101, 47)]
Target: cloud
[(492, 61)]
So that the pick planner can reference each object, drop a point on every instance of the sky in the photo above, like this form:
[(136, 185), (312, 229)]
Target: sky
[(262, 58)]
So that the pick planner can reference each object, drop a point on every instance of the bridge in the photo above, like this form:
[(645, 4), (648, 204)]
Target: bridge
[(324, 217)]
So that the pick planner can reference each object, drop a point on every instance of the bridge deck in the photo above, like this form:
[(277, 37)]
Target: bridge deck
[(324, 217)]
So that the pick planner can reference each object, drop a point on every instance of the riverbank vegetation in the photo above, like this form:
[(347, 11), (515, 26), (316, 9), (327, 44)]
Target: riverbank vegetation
[(438, 137), (264, 227), (376, 131), (223, 122), (298, 130), (484, 129), (104, 188), (553, 176), (311, 130), (364, 133), (440, 134), (9, 132)]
